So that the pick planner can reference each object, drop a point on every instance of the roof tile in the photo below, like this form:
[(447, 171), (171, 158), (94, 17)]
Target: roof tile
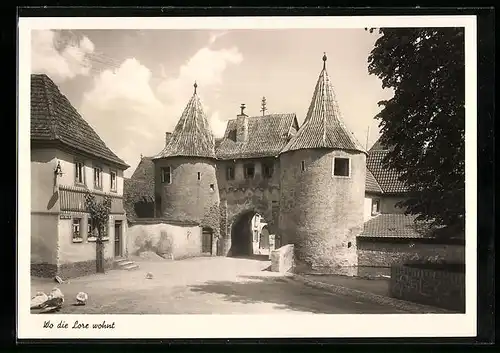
[(192, 136), (393, 225), (53, 118), (387, 178), (267, 135), (323, 126), (371, 184)]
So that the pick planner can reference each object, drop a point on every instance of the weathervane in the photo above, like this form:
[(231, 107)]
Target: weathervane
[(263, 108), (324, 60), (195, 87)]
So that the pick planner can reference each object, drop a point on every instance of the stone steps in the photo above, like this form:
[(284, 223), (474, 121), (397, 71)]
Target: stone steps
[(124, 264)]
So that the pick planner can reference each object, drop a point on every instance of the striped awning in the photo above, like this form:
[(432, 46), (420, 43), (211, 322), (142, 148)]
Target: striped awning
[(73, 199)]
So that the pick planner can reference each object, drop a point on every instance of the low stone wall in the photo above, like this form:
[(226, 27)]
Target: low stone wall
[(282, 259), (382, 253), (68, 270), (169, 240), (81, 268), (429, 286), (43, 270)]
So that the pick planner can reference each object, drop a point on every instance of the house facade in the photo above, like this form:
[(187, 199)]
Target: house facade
[(69, 159)]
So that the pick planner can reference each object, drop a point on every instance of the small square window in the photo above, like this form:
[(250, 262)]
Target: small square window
[(230, 173), (166, 175), (112, 176), (77, 235), (268, 170), (212, 187), (249, 171), (341, 167), (97, 177), (79, 172)]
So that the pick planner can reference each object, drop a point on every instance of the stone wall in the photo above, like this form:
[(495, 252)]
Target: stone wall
[(82, 268), (320, 213), (187, 199), (384, 252), (428, 286), (282, 259), (169, 240)]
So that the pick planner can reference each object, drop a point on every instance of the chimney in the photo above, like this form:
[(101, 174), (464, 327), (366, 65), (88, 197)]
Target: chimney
[(242, 126), (167, 137)]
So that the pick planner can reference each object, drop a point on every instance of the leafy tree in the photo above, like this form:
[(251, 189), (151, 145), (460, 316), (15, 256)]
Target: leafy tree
[(99, 213), (424, 122)]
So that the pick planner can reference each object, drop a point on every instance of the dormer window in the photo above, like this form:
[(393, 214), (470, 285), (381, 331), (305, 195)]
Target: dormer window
[(341, 167)]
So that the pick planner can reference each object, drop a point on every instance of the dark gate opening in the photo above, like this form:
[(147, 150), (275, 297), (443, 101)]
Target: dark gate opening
[(206, 241), (246, 236)]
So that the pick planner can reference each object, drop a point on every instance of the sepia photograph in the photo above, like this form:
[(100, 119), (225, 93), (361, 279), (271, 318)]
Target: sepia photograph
[(246, 171)]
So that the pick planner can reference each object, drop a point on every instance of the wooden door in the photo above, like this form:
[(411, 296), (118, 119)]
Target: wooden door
[(206, 241), (118, 238)]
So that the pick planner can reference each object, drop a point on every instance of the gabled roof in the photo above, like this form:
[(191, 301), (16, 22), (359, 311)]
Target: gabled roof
[(141, 184), (323, 126), (377, 146), (393, 225), (192, 136), (267, 135), (54, 119), (387, 178), (139, 187)]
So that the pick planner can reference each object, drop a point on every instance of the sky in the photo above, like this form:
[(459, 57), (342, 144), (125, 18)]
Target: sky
[(131, 86)]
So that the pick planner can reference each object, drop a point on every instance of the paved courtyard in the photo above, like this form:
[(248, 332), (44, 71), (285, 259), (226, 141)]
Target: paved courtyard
[(215, 285)]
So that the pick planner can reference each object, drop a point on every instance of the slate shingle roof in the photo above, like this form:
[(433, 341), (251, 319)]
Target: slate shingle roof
[(192, 136), (53, 118), (323, 126), (395, 225), (387, 178), (267, 135)]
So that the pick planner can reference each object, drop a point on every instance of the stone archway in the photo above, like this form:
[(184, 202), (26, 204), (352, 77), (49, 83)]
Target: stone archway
[(238, 207)]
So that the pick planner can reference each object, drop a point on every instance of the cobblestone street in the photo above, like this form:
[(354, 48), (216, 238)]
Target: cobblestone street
[(202, 286)]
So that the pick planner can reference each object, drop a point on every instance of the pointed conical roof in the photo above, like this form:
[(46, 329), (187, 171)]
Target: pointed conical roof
[(192, 136), (323, 126)]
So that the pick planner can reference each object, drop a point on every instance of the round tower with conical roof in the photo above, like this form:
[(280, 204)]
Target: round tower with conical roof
[(185, 178), (323, 169)]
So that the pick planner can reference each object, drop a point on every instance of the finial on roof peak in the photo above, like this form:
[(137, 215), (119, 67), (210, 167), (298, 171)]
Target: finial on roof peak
[(324, 60), (195, 87)]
